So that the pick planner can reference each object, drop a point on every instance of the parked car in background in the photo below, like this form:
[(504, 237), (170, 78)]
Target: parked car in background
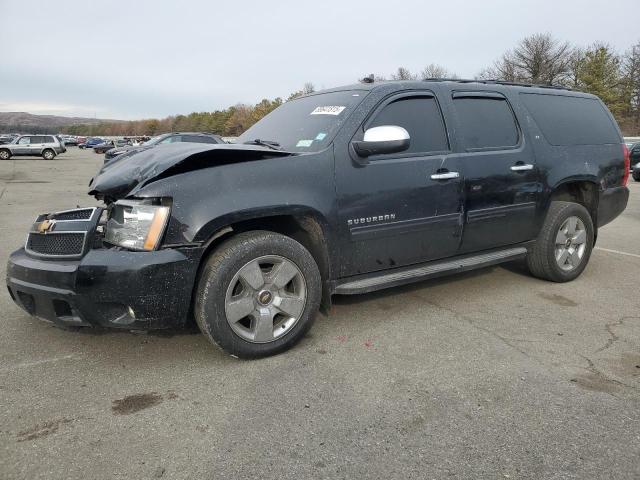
[(70, 141), (634, 157), (176, 137), (110, 144), (4, 139), (104, 146), (45, 146), (91, 142)]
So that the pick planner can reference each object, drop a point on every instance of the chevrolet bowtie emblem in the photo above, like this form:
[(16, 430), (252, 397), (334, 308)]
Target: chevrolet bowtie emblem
[(46, 226)]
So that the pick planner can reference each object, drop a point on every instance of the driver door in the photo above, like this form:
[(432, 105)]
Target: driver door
[(22, 147), (402, 208)]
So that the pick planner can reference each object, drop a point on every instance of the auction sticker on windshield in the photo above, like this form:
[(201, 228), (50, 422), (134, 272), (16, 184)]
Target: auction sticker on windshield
[(328, 110)]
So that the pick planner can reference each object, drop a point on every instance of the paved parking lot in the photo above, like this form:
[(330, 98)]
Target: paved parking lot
[(491, 374)]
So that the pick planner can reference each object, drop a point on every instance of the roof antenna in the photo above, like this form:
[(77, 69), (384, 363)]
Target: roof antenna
[(368, 79)]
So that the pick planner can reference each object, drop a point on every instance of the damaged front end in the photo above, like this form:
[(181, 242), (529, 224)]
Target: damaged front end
[(107, 266), (69, 274)]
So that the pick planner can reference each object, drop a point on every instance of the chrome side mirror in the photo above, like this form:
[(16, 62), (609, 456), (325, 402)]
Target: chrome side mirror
[(381, 140)]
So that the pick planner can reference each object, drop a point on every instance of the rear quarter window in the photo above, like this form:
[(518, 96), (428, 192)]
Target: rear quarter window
[(566, 120)]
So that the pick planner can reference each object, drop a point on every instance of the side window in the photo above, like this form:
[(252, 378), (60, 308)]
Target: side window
[(571, 120), (37, 140), (192, 138), (197, 139), (486, 122), (172, 139), (48, 140), (421, 117), (24, 141)]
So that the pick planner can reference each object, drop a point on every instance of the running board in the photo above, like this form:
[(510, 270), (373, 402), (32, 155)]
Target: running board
[(370, 283)]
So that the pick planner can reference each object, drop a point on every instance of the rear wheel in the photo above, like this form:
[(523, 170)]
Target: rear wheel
[(5, 154), (48, 154), (258, 294), (564, 244)]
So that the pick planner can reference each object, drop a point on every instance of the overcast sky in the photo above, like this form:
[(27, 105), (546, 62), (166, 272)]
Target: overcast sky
[(140, 59)]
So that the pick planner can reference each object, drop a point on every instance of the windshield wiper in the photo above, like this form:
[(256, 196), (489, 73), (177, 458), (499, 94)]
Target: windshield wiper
[(265, 143)]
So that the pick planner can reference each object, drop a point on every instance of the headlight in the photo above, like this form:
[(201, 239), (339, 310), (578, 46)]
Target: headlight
[(136, 224)]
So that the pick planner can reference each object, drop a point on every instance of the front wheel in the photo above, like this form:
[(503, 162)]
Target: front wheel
[(5, 154), (48, 154), (258, 294), (564, 245)]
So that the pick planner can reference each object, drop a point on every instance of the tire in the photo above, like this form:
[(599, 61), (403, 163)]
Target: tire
[(48, 154), (243, 309), (636, 176), (560, 255), (5, 154)]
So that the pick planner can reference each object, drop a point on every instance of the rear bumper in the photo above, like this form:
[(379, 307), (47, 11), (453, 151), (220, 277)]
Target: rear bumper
[(612, 203), (109, 288)]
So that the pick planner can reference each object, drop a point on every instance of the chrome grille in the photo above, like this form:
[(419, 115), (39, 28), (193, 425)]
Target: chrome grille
[(64, 234), (80, 214)]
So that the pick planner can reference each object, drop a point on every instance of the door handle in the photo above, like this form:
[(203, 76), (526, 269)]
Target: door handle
[(444, 175), (521, 167)]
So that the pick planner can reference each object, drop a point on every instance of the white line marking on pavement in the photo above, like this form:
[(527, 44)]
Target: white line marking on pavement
[(618, 252), (36, 362)]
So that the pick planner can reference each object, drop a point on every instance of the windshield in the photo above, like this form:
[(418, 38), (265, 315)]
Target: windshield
[(306, 124)]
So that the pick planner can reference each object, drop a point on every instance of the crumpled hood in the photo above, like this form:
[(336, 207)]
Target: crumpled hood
[(125, 176)]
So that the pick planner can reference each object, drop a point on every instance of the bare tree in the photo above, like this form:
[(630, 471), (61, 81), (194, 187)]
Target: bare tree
[(631, 76), (539, 58), (403, 74), (433, 70)]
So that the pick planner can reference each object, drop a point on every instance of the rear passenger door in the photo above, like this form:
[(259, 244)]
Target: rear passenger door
[(501, 181), (36, 146)]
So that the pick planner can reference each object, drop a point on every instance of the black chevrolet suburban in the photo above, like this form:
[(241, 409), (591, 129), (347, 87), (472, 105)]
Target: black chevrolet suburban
[(343, 191)]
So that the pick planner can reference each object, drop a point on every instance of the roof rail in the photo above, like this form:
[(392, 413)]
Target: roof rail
[(497, 82)]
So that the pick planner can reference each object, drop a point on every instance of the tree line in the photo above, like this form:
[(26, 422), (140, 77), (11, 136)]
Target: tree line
[(230, 122), (540, 59)]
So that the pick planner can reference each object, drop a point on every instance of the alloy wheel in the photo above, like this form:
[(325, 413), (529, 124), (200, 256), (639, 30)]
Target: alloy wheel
[(571, 243), (265, 299)]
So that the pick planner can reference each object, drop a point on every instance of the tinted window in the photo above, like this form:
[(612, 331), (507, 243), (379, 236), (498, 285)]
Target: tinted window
[(421, 117), (48, 140), (486, 122), (37, 139), (571, 120), (197, 139)]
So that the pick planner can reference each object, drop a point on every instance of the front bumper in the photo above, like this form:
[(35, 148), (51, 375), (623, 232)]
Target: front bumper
[(109, 288)]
